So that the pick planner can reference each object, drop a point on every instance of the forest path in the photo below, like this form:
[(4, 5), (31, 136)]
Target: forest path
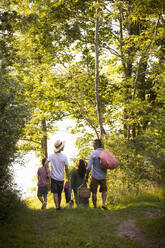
[(107, 224), (131, 227)]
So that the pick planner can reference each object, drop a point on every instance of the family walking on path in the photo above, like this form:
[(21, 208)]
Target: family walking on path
[(79, 177)]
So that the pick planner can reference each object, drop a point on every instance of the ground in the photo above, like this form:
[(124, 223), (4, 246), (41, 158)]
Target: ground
[(139, 226)]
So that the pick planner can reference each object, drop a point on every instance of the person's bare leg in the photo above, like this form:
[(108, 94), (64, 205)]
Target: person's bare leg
[(45, 200), (104, 197), (94, 199), (40, 198), (59, 200), (56, 201)]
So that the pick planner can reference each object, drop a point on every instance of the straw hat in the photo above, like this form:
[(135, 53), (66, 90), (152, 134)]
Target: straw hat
[(58, 145)]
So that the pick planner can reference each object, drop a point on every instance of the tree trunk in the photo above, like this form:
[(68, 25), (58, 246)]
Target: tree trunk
[(98, 103), (44, 140)]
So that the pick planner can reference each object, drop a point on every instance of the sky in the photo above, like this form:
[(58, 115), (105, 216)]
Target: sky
[(24, 175)]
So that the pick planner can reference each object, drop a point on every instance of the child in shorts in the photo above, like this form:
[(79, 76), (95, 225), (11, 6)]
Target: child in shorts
[(43, 174)]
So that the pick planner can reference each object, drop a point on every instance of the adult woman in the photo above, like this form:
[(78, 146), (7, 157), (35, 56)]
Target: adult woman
[(77, 179)]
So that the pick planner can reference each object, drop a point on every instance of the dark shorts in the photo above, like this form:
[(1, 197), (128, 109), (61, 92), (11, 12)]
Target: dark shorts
[(56, 186), (42, 191), (95, 183)]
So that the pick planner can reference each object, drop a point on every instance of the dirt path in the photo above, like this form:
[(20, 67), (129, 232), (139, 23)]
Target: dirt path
[(129, 230)]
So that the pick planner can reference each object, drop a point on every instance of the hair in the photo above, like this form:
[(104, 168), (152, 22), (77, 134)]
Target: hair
[(98, 142), (43, 161), (81, 168)]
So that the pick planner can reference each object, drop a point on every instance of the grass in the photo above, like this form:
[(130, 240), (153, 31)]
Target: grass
[(154, 227), (79, 227), (67, 228), (85, 227)]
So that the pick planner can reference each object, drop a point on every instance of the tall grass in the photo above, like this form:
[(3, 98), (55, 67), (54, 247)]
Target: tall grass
[(34, 202), (122, 188), (150, 193), (117, 197)]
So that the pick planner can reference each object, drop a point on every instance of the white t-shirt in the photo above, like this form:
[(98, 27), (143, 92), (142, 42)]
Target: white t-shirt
[(58, 161)]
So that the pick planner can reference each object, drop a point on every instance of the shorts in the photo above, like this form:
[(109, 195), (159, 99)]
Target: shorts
[(42, 191), (56, 186), (94, 184)]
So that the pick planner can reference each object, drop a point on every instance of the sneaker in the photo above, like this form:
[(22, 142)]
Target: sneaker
[(43, 205), (60, 208), (104, 207)]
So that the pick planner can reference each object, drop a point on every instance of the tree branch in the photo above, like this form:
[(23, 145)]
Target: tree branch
[(29, 140), (84, 116), (113, 51)]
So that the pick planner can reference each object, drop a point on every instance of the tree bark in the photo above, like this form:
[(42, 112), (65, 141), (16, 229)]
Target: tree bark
[(44, 140), (98, 103)]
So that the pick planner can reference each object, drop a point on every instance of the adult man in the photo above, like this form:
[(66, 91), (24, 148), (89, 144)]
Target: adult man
[(59, 162), (98, 175)]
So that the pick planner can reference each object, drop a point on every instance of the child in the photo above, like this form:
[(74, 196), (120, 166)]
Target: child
[(43, 182)]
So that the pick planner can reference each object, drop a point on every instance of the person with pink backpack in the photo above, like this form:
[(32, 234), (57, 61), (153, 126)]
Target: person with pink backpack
[(101, 160)]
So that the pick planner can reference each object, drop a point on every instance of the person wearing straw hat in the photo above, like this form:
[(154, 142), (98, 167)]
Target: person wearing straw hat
[(59, 163)]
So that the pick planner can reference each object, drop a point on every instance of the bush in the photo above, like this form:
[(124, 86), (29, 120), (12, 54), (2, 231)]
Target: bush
[(9, 204)]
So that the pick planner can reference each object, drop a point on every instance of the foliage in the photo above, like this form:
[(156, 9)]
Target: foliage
[(48, 63), (10, 202), (14, 112), (140, 167)]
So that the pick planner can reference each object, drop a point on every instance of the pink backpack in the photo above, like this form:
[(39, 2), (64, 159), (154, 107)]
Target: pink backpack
[(107, 160)]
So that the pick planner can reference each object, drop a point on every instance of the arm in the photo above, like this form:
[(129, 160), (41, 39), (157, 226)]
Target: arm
[(87, 175), (88, 169), (38, 176)]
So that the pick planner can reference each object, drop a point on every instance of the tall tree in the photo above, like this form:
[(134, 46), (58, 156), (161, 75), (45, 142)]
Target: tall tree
[(99, 112), (130, 36), (39, 53)]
